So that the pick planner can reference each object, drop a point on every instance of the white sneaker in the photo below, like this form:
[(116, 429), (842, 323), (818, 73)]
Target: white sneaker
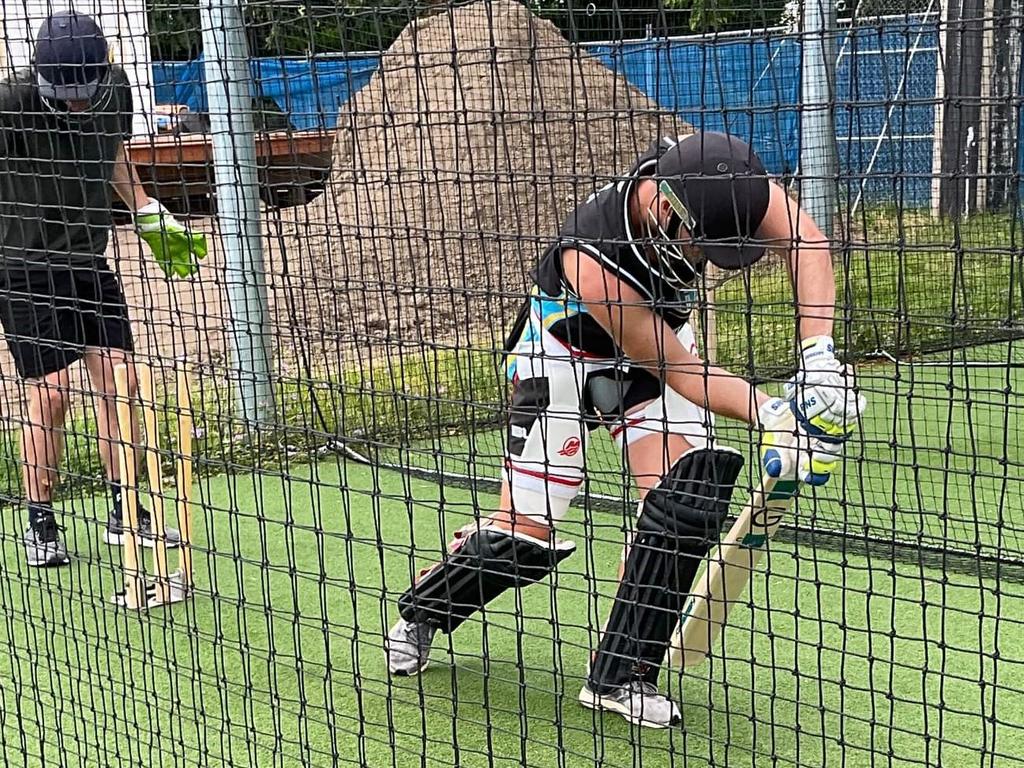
[(408, 647), (639, 702)]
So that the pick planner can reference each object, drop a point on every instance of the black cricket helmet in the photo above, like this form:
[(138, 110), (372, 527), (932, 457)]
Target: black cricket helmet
[(72, 65), (718, 190)]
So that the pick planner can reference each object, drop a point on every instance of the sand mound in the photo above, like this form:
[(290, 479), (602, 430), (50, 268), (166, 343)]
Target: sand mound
[(453, 167)]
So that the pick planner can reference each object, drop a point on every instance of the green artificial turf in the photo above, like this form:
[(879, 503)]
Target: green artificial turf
[(277, 660)]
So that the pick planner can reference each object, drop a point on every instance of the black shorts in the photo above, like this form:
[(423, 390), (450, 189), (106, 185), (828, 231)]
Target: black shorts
[(51, 316)]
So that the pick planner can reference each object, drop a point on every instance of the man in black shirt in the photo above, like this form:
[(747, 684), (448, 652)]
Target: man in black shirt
[(63, 124), (605, 340)]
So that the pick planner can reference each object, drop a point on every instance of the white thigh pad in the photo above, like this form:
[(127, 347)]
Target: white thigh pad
[(672, 413), (545, 443)]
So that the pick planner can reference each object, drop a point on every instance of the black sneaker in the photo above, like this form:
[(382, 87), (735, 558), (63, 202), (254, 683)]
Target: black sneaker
[(114, 535), (43, 547)]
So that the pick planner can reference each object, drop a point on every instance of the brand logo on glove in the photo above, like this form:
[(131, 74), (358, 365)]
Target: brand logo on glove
[(570, 447), (810, 402)]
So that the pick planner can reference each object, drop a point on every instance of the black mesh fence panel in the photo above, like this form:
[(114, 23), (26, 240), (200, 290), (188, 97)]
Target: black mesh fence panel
[(275, 253)]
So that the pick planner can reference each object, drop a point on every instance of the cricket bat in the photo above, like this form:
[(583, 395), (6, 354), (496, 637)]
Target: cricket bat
[(728, 571)]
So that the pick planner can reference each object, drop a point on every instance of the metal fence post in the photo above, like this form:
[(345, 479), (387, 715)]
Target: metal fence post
[(228, 78), (818, 156)]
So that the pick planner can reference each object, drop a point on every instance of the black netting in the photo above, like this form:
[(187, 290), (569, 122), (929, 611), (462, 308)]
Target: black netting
[(324, 402)]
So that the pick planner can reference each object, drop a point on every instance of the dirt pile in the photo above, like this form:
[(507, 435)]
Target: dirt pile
[(453, 167)]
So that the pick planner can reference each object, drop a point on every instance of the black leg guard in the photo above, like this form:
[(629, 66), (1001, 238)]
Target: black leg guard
[(680, 520), (482, 564)]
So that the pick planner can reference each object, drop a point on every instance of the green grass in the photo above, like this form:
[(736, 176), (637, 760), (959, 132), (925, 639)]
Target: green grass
[(277, 663)]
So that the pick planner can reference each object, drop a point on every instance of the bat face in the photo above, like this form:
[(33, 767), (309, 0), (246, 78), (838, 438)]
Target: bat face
[(729, 570)]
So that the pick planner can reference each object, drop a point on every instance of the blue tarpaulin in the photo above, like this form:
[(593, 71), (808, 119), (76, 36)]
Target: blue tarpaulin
[(310, 91), (748, 85)]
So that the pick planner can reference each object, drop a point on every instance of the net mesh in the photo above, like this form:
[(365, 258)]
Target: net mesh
[(375, 183)]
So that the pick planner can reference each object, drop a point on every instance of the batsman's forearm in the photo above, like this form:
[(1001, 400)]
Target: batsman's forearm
[(815, 289), (717, 390)]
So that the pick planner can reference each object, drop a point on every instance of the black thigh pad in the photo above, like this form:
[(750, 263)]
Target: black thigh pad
[(484, 564), (678, 522), (609, 394)]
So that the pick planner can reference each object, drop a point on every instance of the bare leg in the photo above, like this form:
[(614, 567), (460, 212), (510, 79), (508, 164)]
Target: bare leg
[(652, 456), (100, 364), (507, 519), (42, 444), (42, 438)]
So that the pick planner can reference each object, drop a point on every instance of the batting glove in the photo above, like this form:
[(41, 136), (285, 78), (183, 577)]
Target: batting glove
[(175, 249), (822, 391), (790, 452)]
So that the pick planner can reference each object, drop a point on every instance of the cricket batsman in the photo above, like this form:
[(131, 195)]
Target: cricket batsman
[(605, 341), (63, 124)]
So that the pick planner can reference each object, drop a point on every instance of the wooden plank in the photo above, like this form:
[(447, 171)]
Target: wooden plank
[(181, 166)]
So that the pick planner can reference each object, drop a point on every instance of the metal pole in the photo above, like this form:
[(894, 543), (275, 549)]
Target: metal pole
[(938, 149), (234, 153), (819, 161), (964, 39)]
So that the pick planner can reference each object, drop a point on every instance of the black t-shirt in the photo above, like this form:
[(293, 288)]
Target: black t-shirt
[(600, 228), (55, 172)]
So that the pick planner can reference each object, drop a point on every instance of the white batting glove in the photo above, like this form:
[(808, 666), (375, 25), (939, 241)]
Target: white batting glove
[(822, 391), (789, 452)]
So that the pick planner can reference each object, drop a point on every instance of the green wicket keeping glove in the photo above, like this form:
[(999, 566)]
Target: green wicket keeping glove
[(175, 249)]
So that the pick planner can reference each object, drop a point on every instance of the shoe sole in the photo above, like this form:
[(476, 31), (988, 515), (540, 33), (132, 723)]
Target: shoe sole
[(591, 700), (407, 672), (49, 563), (117, 539)]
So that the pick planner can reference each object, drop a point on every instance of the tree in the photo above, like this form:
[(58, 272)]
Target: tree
[(285, 27), (301, 27), (584, 21)]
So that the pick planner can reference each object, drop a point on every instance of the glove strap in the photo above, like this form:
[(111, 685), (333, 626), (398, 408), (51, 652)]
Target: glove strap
[(813, 430), (811, 342)]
